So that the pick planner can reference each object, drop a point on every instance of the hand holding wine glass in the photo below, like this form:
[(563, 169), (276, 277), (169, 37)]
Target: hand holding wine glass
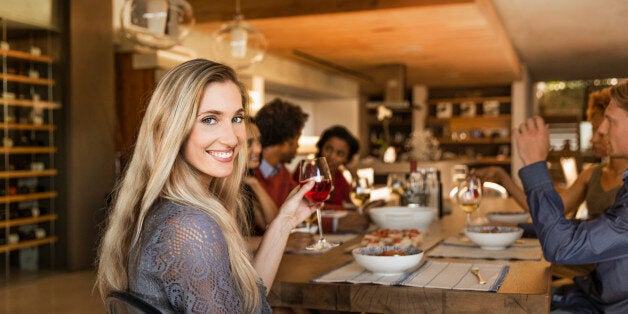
[(317, 170), (469, 195)]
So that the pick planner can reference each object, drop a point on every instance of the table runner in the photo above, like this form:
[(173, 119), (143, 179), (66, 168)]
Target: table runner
[(454, 247), (431, 274)]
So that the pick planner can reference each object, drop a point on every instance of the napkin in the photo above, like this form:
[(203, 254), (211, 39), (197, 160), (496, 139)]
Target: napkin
[(431, 274), (454, 247), (458, 276)]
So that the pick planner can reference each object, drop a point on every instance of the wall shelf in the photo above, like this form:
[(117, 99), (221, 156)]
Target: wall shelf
[(501, 99), (472, 124), (476, 119), (28, 127), (30, 103), (28, 150), (27, 243), (27, 220), (27, 173), (475, 141), (26, 80), (25, 56), (27, 197)]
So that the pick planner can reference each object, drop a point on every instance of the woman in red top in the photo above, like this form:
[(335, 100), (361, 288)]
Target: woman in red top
[(338, 146)]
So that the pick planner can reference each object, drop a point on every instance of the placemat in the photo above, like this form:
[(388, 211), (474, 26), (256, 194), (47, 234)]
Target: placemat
[(454, 247), (431, 274)]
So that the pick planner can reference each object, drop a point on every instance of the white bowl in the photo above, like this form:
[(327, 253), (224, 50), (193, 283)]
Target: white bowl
[(402, 217), (508, 217), (493, 237), (370, 259)]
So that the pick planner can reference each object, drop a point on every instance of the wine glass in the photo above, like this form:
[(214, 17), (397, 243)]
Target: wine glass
[(469, 195), (360, 192), (396, 182), (317, 170)]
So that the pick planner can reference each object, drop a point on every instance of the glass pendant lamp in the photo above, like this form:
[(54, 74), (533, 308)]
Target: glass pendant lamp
[(156, 24), (237, 43)]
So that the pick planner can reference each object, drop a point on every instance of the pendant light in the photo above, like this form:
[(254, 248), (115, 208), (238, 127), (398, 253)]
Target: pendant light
[(237, 43), (156, 24)]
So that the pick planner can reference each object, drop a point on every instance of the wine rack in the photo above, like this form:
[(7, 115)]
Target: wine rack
[(27, 148)]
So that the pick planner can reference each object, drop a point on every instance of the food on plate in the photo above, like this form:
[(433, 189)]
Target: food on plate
[(393, 237), (490, 230), (393, 253)]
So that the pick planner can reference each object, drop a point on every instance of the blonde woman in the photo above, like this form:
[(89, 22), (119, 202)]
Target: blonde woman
[(173, 236)]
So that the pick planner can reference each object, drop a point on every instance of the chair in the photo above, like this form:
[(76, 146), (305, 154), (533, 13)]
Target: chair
[(489, 189), (120, 302)]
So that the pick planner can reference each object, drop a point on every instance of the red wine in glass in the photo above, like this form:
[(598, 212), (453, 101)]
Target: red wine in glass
[(319, 192), (317, 170)]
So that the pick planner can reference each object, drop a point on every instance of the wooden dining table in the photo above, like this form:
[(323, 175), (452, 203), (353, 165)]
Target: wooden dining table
[(525, 289)]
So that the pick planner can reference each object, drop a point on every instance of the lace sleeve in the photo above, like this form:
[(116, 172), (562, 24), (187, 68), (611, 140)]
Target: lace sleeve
[(191, 260)]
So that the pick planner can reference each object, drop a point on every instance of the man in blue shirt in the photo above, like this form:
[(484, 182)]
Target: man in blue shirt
[(603, 241)]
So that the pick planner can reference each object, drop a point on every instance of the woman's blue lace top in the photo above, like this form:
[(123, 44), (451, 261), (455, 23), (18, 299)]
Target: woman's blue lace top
[(181, 263)]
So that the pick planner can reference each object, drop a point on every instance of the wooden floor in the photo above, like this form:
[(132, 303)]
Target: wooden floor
[(52, 293)]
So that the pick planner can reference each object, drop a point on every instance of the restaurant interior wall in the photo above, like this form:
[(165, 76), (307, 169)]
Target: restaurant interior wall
[(90, 127)]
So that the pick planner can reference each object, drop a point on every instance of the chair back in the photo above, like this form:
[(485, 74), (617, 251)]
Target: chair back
[(120, 302)]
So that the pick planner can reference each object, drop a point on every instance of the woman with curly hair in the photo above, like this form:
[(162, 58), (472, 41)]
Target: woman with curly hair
[(173, 237)]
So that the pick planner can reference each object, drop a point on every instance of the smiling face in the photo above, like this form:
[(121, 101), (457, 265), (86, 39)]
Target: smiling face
[(218, 132), (615, 128)]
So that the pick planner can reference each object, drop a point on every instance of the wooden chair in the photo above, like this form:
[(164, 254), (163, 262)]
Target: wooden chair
[(120, 302)]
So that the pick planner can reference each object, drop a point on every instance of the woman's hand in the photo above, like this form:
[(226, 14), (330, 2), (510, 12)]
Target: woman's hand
[(296, 208)]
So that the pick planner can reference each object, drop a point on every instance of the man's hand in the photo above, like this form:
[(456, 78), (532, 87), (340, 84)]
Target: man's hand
[(532, 139)]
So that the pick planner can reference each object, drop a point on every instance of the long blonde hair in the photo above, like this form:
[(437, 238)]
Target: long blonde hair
[(156, 170)]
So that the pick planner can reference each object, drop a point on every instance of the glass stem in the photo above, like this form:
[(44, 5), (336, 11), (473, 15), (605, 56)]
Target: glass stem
[(320, 224), (468, 219)]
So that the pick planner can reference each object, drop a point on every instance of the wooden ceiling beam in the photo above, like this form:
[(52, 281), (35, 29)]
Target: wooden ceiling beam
[(207, 11)]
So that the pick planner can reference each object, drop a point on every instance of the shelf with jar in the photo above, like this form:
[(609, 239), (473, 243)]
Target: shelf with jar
[(398, 126), (29, 100), (472, 124)]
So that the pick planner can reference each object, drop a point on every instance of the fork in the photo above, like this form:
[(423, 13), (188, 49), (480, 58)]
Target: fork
[(476, 272)]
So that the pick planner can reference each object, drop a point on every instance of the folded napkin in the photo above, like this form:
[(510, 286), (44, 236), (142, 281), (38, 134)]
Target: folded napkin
[(431, 274), (454, 247)]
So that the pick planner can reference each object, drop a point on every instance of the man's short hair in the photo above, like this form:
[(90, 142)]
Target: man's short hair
[(279, 121)]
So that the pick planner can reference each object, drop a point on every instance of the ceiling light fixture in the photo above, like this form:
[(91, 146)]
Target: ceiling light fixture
[(156, 24), (237, 43)]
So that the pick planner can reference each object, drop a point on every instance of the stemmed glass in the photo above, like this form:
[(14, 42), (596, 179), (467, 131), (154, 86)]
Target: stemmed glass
[(469, 195), (317, 170), (360, 192)]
